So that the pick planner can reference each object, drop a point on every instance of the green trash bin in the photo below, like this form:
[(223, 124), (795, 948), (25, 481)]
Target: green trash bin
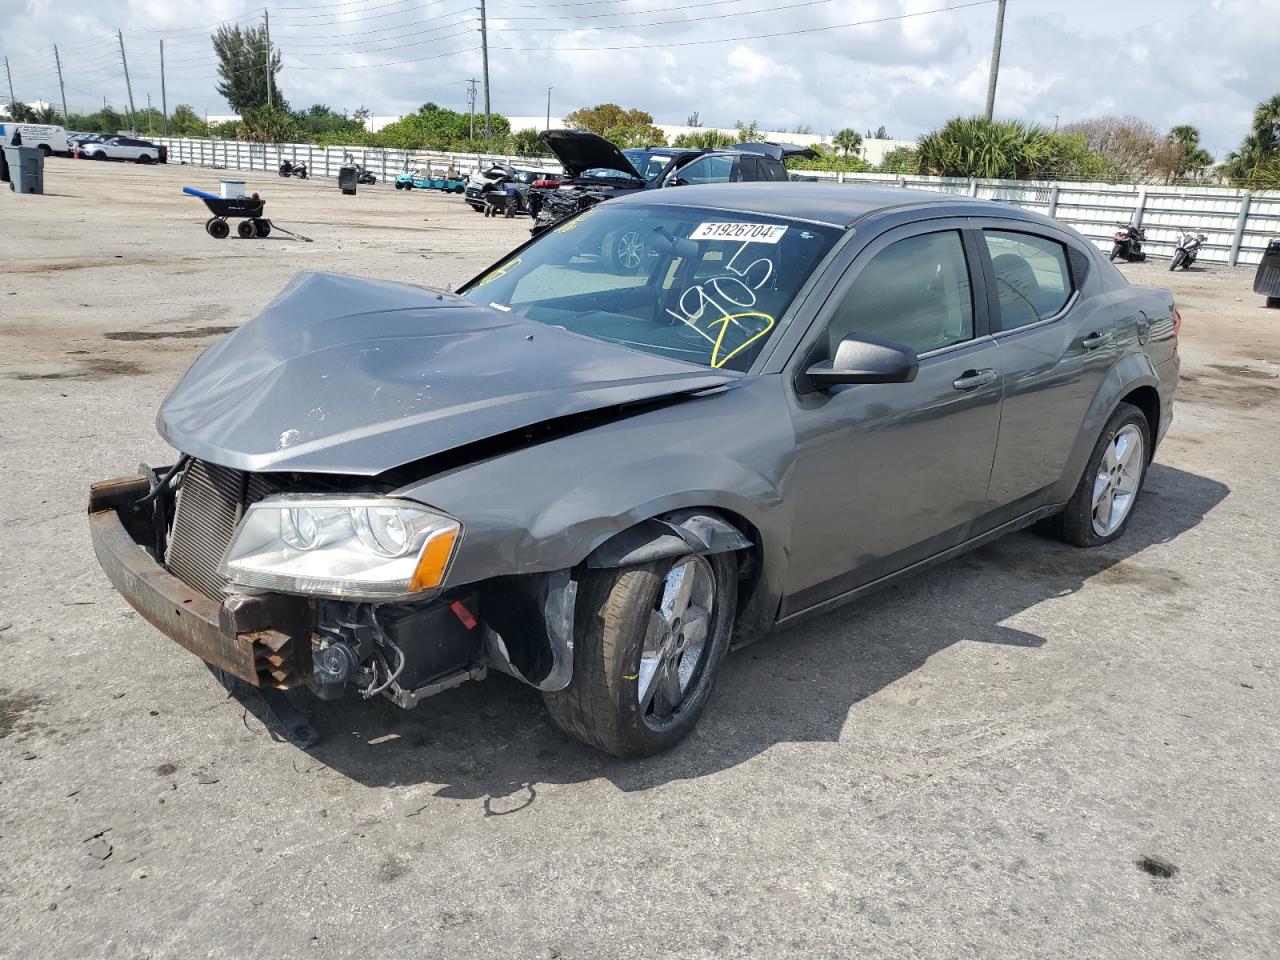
[(26, 169)]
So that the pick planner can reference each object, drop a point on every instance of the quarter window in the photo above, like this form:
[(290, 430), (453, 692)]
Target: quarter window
[(1033, 280), (915, 292), (717, 168)]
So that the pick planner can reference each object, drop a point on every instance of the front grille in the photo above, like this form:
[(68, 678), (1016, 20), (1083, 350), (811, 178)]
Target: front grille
[(210, 502)]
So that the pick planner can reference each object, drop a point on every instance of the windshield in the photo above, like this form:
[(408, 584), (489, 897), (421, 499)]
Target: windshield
[(649, 163), (705, 286)]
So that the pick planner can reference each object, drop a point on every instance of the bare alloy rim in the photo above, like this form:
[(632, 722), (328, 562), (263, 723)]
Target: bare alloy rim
[(677, 641), (631, 249), (1116, 486)]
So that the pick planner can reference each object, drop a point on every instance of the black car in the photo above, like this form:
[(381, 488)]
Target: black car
[(503, 181), (596, 170)]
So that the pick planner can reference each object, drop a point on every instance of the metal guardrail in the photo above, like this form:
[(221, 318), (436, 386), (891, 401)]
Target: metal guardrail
[(1238, 223)]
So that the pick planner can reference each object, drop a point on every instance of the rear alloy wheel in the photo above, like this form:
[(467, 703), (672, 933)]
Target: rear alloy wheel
[(647, 648), (626, 251), (1103, 502)]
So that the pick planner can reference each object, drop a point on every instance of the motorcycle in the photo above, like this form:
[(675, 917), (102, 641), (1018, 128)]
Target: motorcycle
[(291, 169), (362, 175), (1127, 243), (1186, 249)]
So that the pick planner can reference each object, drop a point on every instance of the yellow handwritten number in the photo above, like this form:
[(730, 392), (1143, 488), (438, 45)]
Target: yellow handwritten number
[(719, 361)]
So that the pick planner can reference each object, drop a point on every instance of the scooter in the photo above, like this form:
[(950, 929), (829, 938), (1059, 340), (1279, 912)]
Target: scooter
[(362, 175), (1127, 243), (1186, 249), (291, 169)]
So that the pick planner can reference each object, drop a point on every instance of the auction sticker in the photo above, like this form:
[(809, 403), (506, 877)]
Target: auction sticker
[(741, 232)]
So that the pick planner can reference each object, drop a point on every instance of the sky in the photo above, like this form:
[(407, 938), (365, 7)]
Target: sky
[(1202, 62)]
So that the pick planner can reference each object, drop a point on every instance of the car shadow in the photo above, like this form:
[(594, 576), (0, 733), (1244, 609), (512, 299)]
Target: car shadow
[(494, 741)]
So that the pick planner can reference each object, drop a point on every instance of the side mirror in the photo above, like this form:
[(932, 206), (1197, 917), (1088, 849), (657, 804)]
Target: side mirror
[(677, 182), (861, 359)]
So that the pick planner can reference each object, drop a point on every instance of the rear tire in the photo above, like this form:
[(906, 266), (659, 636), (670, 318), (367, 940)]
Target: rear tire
[(1115, 252), (245, 230), (620, 697), (1107, 481), (263, 227)]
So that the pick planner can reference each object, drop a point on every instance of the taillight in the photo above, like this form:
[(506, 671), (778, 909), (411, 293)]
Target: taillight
[(1177, 322)]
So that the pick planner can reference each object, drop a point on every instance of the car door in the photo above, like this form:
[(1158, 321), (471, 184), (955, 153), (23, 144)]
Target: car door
[(886, 475), (1057, 343)]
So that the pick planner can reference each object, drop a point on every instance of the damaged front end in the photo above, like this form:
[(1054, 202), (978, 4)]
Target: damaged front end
[(164, 539)]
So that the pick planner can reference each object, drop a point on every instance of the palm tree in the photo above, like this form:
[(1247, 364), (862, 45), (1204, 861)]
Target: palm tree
[(977, 147), (847, 141), (1257, 160)]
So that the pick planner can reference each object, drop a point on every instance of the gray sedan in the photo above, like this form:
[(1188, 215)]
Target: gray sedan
[(597, 474)]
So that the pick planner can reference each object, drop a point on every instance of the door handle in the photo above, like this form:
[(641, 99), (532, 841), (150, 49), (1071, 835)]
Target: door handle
[(972, 379), (1094, 340)]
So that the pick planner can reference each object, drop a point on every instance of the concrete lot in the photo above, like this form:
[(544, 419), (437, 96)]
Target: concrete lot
[(973, 764)]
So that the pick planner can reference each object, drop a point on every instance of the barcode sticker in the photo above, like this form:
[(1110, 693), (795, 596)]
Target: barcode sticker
[(739, 232)]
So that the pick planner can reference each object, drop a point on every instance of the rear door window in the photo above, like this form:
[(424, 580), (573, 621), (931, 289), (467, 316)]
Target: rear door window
[(1033, 279)]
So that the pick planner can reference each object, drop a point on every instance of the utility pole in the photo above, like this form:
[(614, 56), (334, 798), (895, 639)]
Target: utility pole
[(471, 106), (58, 63), (266, 26), (7, 73), (164, 101), (549, 89), (133, 123), (149, 130), (484, 55), (995, 59)]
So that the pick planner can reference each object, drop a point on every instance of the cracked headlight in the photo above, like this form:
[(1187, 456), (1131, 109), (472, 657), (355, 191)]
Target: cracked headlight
[(358, 548)]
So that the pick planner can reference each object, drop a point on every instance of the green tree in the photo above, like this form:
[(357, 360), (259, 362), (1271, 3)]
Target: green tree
[(1256, 162), (19, 112), (848, 141), (246, 67), (1183, 156), (1132, 150), (525, 143), (267, 125), (435, 128), (321, 124), (626, 128), (705, 139), (748, 132), (977, 147), (103, 121), (899, 160), (185, 122)]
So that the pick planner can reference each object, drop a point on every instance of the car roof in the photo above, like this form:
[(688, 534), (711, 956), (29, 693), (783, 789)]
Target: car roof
[(832, 203)]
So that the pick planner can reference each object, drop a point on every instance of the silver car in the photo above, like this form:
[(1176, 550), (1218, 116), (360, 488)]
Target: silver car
[(599, 477)]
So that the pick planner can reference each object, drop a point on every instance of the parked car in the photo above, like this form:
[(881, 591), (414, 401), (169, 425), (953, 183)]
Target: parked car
[(596, 170), (501, 181), (48, 137), (607, 479), (124, 148)]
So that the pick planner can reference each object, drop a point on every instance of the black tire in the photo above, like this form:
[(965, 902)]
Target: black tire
[(263, 227), (1176, 262), (218, 229), (459, 189), (601, 705), (1115, 252), (99, 156), (302, 175), (625, 251), (1074, 525), (245, 230), (1273, 302), (45, 149), (144, 158), (284, 174)]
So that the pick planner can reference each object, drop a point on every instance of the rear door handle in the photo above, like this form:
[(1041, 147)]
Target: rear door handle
[(1094, 340), (972, 379)]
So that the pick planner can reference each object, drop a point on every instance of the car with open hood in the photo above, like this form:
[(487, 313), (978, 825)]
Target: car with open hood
[(598, 480), (597, 170)]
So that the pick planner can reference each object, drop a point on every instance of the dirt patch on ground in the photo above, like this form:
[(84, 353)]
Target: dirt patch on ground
[(131, 336), (93, 368), (16, 711)]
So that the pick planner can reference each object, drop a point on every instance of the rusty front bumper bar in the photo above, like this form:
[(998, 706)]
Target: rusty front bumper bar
[(262, 640)]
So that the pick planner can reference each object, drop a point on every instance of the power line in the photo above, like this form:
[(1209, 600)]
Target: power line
[(661, 23), (636, 13), (753, 36)]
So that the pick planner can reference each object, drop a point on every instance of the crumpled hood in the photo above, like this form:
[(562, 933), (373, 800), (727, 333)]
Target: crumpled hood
[(350, 376)]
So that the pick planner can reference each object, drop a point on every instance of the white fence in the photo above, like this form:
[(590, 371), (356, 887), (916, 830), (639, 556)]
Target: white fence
[(1238, 223)]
